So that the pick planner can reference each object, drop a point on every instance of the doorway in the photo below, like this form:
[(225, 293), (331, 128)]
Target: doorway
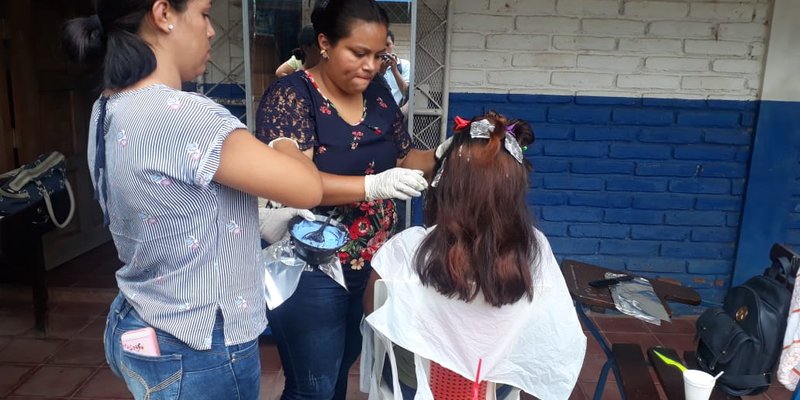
[(45, 104)]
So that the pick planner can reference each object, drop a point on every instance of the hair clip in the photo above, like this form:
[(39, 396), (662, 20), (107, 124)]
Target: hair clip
[(461, 123), (510, 129)]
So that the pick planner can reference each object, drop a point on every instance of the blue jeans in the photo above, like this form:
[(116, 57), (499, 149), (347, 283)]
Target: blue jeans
[(318, 336), (180, 372)]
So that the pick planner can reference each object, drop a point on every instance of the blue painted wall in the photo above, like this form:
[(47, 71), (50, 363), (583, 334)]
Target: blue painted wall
[(772, 200), (653, 186)]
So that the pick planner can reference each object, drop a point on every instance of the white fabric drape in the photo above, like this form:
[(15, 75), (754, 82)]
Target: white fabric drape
[(537, 346)]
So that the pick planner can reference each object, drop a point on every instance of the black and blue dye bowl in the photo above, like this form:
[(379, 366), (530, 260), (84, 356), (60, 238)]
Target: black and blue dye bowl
[(317, 253)]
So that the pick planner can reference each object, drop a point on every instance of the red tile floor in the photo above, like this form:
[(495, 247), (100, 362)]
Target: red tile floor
[(68, 362)]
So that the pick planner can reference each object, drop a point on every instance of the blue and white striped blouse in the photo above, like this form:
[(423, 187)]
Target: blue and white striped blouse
[(189, 246)]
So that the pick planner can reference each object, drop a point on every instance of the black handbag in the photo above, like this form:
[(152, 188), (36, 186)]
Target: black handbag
[(34, 182), (744, 338)]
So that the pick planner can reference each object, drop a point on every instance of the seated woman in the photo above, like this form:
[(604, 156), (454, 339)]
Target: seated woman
[(479, 291)]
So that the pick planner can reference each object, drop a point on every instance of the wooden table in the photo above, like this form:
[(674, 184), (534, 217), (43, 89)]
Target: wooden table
[(21, 248), (578, 275), (625, 360)]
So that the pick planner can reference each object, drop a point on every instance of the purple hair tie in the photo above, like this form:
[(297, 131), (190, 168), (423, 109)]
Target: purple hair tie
[(510, 129)]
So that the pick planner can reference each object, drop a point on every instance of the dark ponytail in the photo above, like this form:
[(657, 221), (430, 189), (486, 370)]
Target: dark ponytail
[(84, 39), (333, 18), (111, 41), (128, 59)]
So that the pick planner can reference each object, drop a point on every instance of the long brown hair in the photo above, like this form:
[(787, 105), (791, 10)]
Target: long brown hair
[(484, 240)]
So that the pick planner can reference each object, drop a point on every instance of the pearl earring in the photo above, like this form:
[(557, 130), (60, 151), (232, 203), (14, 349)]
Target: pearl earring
[(170, 27)]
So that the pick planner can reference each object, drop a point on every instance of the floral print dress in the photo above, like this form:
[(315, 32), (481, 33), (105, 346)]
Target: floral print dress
[(294, 107)]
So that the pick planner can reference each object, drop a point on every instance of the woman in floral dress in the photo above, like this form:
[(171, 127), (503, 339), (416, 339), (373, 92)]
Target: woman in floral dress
[(354, 132)]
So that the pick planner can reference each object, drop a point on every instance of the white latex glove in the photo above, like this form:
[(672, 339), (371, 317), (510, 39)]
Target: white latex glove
[(395, 183), (273, 222), (443, 147)]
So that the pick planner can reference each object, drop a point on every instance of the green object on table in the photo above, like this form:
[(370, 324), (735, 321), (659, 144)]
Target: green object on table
[(670, 361)]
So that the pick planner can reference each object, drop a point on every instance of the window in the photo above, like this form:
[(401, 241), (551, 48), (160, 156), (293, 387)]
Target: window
[(399, 10)]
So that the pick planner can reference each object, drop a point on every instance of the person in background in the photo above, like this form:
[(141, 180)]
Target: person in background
[(353, 130), (177, 176), (397, 72), (480, 279), (303, 57)]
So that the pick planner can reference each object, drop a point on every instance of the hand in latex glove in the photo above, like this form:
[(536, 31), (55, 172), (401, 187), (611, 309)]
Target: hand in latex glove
[(273, 222), (395, 183), (443, 147)]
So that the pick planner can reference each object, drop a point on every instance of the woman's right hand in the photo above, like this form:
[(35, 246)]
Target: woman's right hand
[(396, 183)]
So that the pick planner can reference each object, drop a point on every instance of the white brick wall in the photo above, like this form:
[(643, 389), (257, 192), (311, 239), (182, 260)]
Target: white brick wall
[(653, 48)]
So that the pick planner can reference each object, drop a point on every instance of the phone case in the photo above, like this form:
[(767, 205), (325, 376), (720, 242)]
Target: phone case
[(141, 341)]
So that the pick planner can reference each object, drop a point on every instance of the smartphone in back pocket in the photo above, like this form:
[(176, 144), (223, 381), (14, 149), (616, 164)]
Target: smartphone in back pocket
[(141, 341)]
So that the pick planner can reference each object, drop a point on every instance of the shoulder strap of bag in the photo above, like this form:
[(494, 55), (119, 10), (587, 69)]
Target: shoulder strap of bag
[(49, 205), (781, 271), (26, 175)]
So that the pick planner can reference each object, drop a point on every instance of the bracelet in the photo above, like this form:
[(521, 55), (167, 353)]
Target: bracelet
[(282, 138)]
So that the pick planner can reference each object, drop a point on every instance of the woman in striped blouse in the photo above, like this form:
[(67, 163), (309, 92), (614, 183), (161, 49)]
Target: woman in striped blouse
[(177, 177)]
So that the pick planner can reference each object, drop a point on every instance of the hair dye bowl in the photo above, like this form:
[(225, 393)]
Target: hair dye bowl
[(312, 251)]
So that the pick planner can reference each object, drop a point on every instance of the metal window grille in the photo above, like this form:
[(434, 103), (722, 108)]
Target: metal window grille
[(399, 11), (226, 65), (430, 57)]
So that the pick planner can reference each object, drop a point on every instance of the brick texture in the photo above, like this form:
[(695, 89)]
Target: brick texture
[(656, 48)]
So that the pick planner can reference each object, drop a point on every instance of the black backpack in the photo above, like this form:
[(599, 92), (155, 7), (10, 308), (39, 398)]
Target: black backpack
[(744, 338)]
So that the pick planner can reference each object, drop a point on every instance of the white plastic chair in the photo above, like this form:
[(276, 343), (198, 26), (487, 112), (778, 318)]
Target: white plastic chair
[(380, 295)]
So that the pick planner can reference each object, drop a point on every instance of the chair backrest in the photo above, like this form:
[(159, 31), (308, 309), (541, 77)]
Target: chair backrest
[(380, 294), (448, 385), (444, 383)]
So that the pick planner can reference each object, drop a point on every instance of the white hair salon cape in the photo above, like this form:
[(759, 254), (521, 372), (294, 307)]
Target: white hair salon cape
[(537, 346)]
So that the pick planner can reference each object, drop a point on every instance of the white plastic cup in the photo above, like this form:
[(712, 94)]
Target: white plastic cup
[(697, 385)]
